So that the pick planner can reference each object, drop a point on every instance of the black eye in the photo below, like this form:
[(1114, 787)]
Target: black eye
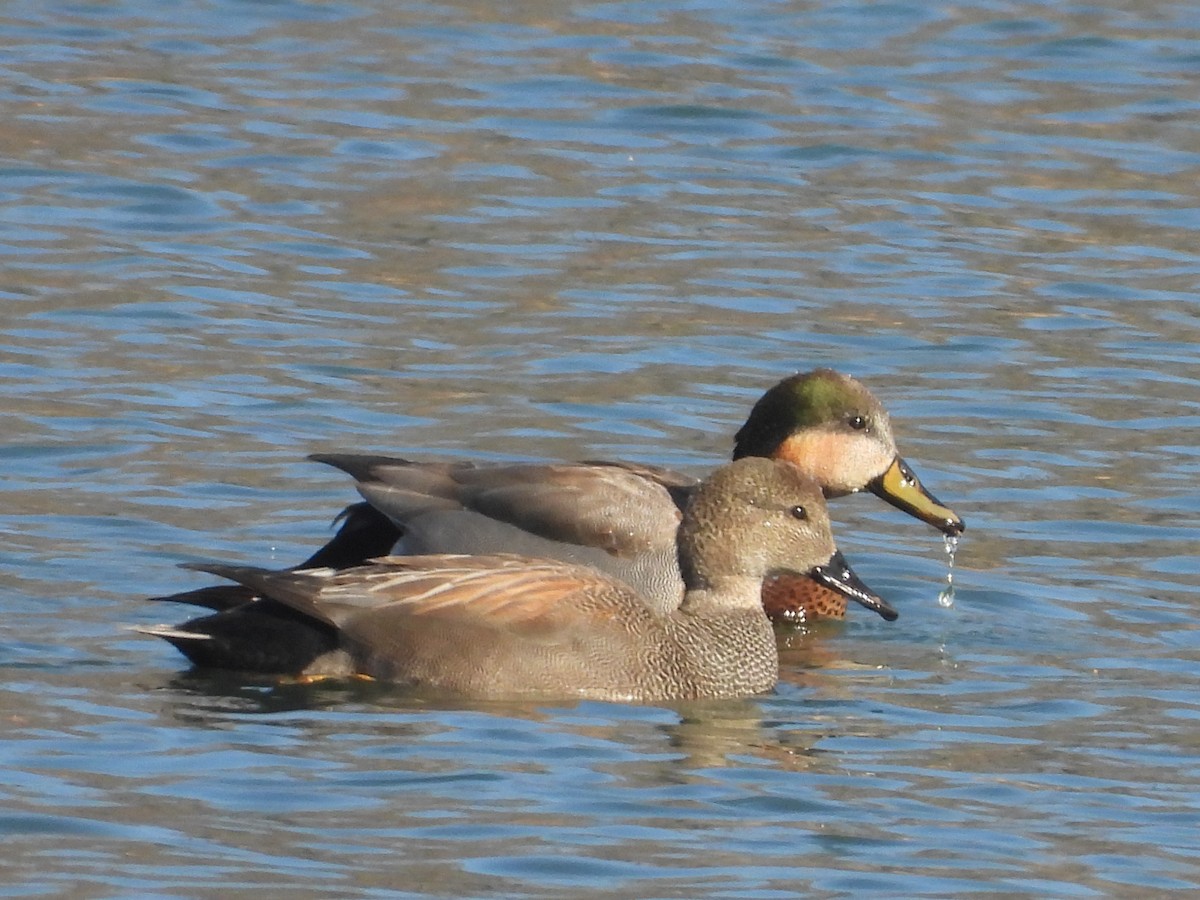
[(858, 423), (798, 512)]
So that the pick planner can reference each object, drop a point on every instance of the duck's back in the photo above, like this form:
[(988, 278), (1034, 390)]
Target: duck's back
[(618, 518), (504, 627)]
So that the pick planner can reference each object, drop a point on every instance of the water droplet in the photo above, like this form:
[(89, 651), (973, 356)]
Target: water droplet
[(946, 597)]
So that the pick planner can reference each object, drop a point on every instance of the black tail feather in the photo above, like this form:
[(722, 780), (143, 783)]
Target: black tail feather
[(264, 637), (365, 534), (249, 634)]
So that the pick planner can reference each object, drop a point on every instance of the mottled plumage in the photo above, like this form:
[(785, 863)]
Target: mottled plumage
[(619, 517), (505, 626)]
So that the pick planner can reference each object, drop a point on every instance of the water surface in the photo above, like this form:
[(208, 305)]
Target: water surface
[(236, 233)]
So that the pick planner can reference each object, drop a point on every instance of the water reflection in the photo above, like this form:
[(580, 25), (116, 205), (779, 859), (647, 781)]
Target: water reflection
[(695, 735)]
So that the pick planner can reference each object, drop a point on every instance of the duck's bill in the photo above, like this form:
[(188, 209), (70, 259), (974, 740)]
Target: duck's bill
[(901, 487), (837, 575)]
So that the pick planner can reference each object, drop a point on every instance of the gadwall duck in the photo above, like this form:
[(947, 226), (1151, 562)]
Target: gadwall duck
[(618, 517), (509, 627)]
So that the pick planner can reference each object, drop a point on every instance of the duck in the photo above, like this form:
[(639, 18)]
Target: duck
[(621, 517), (499, 627)]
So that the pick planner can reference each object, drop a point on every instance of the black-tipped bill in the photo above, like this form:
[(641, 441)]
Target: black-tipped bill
[(901, 487), (837, 575)]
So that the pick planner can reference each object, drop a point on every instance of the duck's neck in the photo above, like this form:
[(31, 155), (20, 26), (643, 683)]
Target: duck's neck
[(726, 593), (732, 642)]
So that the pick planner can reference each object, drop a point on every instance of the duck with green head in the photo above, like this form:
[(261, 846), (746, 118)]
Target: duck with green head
[(621, 518), (836, 430)]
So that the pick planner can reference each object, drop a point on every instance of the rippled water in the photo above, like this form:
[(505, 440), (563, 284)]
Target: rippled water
[(234, 233)]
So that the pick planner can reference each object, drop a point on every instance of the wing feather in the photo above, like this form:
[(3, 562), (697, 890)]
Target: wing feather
[(621, 509)]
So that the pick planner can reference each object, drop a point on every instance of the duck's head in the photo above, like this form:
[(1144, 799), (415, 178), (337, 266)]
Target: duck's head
[(760, 517), (835, 430)]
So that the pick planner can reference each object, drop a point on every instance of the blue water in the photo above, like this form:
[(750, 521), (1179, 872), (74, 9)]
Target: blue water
[(235, 233)]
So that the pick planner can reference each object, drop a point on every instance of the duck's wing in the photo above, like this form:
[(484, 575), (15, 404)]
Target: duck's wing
[(620, 510), (503, 593)]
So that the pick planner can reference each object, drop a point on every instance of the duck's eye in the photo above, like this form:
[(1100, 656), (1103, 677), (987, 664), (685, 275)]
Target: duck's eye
[(798, 512), (858, 423)]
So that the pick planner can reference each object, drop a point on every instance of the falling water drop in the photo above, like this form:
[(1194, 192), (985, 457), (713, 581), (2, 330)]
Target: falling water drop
[(946, 597)]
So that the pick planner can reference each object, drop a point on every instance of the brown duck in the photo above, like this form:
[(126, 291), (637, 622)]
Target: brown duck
[(507, 627), (618, 517)]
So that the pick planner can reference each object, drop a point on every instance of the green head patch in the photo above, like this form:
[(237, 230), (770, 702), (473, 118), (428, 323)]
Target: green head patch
[(821, 398)]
